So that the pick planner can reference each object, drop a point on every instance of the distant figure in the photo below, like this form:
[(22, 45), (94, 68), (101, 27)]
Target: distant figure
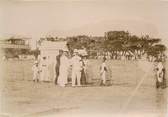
[(57, 66), (159, 74), (4, 58), (63, 70), (103, 70), (76, 69), (36, 72), (44, 69)]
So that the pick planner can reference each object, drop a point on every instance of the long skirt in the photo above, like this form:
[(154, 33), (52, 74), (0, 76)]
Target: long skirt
[(44, 74), (83, 77), (63, 77), (159, 81)]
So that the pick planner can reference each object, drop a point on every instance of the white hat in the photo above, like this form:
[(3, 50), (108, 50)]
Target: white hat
[(75, 50), (35, 62), (65, 50)]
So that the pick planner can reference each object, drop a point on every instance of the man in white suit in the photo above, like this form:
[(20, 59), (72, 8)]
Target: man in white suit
[(76, 68)]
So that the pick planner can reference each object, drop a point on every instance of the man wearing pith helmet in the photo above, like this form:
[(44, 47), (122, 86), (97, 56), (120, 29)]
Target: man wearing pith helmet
[(76, 68)]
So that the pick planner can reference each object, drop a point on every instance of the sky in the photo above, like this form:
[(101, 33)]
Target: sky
[(40, 18)]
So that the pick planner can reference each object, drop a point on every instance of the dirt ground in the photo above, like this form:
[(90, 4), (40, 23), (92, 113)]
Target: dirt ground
[(20, 97)]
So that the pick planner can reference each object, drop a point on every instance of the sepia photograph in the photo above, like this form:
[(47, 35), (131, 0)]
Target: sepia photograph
[(83, 58)]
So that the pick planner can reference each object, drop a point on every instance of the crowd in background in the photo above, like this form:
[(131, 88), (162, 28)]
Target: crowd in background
[(128, 55)]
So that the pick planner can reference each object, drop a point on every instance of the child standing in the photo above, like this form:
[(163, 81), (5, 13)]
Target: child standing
[(103, 70), (36, 72)]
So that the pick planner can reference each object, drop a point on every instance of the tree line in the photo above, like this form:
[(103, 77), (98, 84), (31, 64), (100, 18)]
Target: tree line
[(118, 41), (115, 42)]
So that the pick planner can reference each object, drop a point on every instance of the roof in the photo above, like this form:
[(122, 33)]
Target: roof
[(8, 39), (49, 45)]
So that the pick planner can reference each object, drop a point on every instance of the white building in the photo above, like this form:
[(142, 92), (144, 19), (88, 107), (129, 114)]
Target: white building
[(50, 50)]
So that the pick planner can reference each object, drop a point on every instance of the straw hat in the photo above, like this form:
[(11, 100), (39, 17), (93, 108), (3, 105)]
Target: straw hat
[(35, 62), (75, 51)]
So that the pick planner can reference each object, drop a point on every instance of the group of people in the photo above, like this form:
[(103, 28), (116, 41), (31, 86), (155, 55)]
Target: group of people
[(64, 64), (77, 64), (74, 68)]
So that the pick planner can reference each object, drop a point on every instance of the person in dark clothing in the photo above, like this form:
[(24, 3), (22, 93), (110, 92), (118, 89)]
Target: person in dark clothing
[(83, 72), (58, 65)]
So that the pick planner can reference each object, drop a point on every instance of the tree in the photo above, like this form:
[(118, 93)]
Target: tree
[(116, 41), (156, 50)]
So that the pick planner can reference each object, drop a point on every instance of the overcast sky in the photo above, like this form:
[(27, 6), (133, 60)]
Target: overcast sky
[(37, 18)]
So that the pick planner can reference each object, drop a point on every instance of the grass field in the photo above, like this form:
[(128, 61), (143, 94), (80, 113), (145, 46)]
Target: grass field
[(21, 97), (119, 72)]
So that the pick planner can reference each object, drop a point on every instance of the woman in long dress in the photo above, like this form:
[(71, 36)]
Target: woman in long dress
[(83, 72), (63, 71), (159, 74), (44, 70)]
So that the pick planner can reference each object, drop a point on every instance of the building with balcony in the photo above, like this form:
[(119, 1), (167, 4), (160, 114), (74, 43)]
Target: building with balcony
[(13, 47), (16, 43)]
